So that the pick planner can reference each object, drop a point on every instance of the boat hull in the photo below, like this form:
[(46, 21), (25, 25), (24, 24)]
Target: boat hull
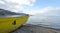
[(11, 23)]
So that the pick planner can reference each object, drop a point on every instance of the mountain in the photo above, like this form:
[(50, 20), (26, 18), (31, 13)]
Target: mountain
[(6, 12)]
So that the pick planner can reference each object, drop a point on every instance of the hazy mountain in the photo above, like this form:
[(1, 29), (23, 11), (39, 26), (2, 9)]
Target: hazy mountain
[(6, 12)]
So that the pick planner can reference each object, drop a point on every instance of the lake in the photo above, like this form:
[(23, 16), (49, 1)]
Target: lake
[(50, 21)]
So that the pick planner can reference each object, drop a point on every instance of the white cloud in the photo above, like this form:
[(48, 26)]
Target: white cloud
[(16, 5), (50, 9), (46, 9), (39, 11), (1, 2), (20, 2), (43, 10), (32, 12)]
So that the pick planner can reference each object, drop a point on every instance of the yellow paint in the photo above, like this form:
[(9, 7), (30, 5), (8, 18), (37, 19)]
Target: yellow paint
[(7, 24)]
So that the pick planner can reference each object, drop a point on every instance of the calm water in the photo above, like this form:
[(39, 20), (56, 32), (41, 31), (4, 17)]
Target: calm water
[(50, 21)]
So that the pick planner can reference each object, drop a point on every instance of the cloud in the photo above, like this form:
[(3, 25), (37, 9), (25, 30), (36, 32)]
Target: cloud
[(51, 11), (1, 2), (20, 2), (39, 11), (31, 12), (16, 5), (46, 10)]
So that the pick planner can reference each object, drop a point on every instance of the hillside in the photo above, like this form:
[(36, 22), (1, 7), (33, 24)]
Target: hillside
[(6, 12)]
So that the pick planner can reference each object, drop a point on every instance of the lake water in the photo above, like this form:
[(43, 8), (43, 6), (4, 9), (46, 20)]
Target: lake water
[(50, 21)]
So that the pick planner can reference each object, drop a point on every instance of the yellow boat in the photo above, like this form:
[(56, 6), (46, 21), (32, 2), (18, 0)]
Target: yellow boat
[(12, 22)]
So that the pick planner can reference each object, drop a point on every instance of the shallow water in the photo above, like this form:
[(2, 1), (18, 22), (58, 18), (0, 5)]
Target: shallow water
[(50, 21)]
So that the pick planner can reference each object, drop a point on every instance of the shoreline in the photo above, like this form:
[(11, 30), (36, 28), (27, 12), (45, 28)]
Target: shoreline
[(47, 26), (44, 26), (30, 28)]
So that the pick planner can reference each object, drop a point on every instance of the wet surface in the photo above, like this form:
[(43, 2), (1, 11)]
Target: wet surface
[(28, 28)]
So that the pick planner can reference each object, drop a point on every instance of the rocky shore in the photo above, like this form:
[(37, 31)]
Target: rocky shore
[(29, 28)]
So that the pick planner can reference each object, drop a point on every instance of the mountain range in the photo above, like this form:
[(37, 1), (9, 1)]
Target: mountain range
[(6, 12)]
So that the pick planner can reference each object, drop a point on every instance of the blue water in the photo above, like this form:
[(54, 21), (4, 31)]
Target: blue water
[(50, 21)]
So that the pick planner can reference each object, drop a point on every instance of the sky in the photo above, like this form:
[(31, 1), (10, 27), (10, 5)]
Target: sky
[(33, 7)]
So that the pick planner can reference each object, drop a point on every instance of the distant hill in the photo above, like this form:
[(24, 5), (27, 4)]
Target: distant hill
[(6, 12)]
